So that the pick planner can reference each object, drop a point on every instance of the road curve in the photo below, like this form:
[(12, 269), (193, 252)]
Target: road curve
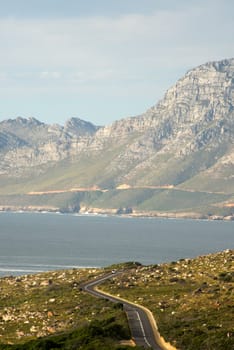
[(140, 325)]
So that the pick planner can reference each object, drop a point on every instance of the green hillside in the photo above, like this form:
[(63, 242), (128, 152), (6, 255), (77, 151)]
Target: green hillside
[(191, 300)]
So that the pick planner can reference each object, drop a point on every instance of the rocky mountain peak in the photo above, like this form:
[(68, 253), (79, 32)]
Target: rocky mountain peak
[(205, 85), (224, 65), (189, 132), (204, 94), (21, 122), (79, 127)]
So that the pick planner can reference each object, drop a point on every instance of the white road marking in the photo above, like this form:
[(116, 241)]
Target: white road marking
[(93, 283), (142, 329)]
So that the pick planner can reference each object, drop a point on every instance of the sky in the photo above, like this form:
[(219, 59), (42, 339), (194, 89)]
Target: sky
[(103, 60)]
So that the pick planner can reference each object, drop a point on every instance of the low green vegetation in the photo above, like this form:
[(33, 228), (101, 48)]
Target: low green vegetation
[(143, 200), (179, 200), (103, 335), (189, 184), (191, 299), (50, 311)]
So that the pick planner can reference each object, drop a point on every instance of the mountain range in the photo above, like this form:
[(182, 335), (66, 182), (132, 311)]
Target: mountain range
[(177, 158)]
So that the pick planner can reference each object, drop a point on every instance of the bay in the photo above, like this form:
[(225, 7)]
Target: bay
[(35, 242)]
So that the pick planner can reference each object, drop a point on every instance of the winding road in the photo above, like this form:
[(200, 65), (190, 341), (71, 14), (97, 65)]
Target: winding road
[(143, 329)]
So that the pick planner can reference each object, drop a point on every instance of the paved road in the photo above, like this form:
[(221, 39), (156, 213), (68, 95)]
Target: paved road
[(140, 326)]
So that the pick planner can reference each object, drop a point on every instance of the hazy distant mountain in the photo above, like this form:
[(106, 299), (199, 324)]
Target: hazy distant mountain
[(182, 146), (26, 143)]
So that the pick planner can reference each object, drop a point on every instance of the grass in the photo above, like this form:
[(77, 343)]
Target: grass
[(206, 182), (97, 335), (81, 171), (171, 169), (164, 200), (192, 300), (42, 310), (107, 171), (179, 200)]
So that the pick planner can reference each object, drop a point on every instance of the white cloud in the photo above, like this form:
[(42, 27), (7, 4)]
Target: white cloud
[(50, 75), (110, 43), (129, 54)]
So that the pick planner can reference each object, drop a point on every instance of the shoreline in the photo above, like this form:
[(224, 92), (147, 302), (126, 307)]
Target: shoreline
[(116, 213)]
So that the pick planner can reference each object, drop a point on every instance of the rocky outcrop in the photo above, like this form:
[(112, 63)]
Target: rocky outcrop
[(79, 128), (26, 143), (186, 137), (195, 116)]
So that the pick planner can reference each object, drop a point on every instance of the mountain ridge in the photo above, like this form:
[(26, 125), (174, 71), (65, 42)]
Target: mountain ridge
[(185, 142)]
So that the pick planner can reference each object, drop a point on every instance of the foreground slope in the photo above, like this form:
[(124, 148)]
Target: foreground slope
[(191, 299), (184, 143)]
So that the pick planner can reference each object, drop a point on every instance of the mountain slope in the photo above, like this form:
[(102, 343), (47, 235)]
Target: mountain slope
[(26, 143), (185, 142), (189, 131)]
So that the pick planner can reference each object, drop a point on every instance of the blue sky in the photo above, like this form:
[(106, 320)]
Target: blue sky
[(103, 60)]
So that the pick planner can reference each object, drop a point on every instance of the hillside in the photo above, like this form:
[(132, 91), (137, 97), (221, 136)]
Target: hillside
[(191, 299), (177, 156)]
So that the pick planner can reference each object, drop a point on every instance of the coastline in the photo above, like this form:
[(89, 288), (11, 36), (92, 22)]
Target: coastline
[(125, 212)]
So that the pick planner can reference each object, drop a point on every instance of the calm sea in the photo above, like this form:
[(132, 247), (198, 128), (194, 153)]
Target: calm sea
[(31, 242)]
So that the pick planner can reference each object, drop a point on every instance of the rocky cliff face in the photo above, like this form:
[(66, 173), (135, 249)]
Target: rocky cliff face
[(189, 133), (25, 143)]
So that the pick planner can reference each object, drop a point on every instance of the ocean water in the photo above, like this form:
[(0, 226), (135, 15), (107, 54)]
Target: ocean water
[(33, 242)]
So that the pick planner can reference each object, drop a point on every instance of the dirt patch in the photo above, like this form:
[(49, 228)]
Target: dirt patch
[(127, 343)]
